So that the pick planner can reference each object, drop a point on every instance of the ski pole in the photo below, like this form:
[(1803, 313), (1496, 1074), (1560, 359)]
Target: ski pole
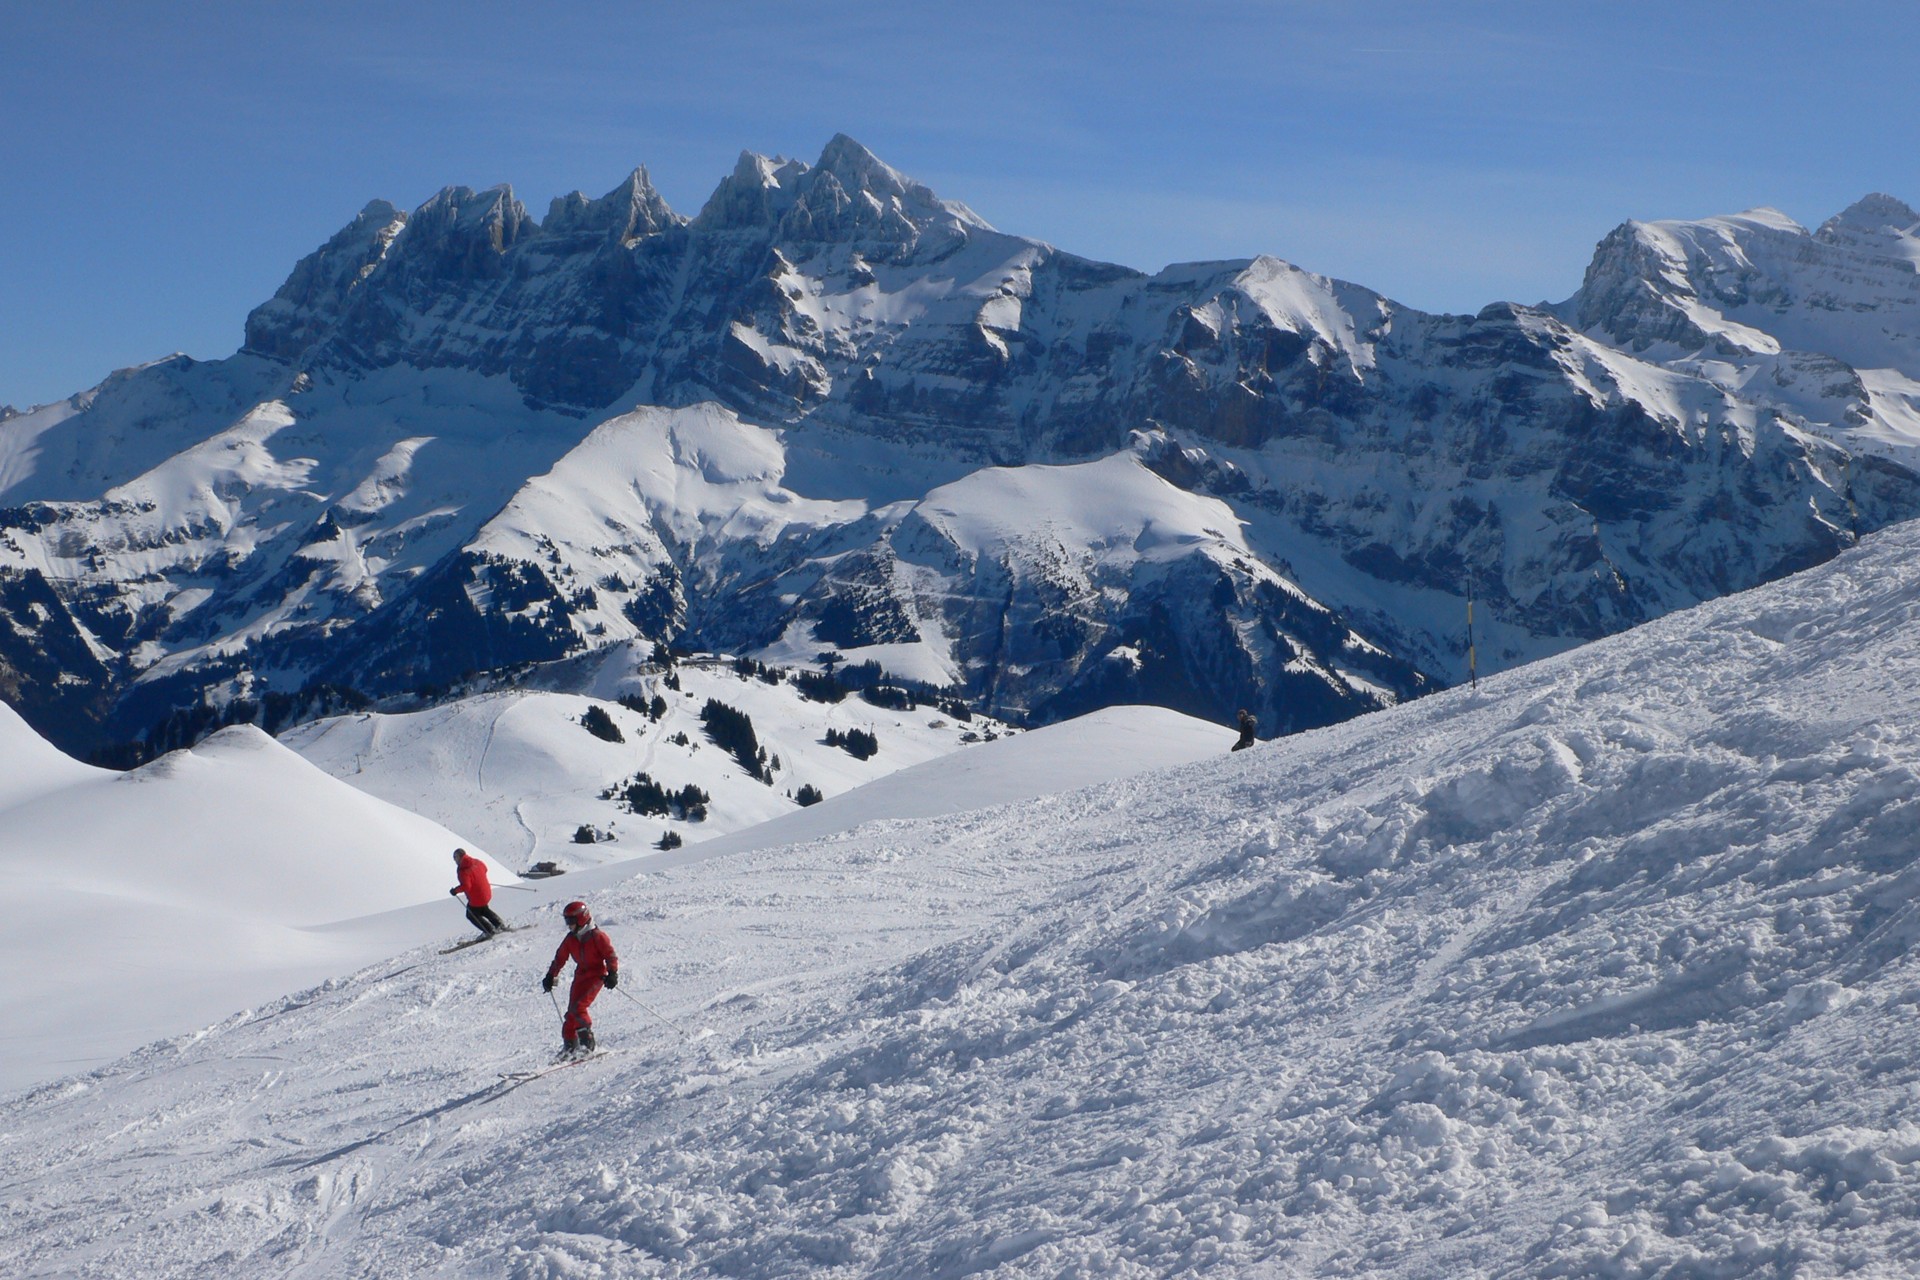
[(556, 1004), (655, 1012)]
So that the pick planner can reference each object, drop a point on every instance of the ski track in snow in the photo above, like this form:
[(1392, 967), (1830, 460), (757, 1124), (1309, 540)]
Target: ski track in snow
[(1601, 971)]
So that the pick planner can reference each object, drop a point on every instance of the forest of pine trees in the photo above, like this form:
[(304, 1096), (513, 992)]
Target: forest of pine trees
[(858, 743), (731, 730)]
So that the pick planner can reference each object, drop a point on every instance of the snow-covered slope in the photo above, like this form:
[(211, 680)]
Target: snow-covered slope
[(519, 772), (139, 904), (34, 766), (1603, 970), (1101, 746), (227, 876)]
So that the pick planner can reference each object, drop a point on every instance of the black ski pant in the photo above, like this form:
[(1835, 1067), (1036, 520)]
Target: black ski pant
[(485, 920)]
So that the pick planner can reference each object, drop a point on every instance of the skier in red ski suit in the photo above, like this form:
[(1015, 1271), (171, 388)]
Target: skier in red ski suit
[(479, 891), (594, 965)]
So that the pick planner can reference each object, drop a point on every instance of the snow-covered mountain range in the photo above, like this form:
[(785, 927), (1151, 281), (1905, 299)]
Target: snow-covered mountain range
[(834, 411), (1604, 969)]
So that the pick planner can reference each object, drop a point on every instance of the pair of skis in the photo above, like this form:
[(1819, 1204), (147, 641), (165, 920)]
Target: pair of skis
[(485, 937), (559, 1064)]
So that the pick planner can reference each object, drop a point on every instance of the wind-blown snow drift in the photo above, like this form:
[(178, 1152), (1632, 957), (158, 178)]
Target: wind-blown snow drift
[(1603, 970), (137, 903)]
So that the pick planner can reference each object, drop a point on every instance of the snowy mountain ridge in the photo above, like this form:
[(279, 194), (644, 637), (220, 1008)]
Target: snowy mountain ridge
[(1603, 969), (460, 440), (1823, 325)]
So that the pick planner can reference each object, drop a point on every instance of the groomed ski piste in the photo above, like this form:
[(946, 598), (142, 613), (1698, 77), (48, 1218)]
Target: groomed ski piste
[(1602, 969), (156, 901)]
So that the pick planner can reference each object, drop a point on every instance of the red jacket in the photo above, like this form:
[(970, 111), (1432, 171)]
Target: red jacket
[(474, 882), (591, 953)]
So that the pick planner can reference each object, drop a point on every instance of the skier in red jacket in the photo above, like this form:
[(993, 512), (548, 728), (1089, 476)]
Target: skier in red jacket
[(594, 965), (479, 891)]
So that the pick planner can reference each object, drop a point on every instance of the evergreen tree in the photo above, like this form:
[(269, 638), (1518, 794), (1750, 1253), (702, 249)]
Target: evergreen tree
[(816, 686), (731, 730), (601, 725), (643, 795)]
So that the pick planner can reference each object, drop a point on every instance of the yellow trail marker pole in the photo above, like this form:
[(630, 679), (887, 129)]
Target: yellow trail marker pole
[(1473, 676)]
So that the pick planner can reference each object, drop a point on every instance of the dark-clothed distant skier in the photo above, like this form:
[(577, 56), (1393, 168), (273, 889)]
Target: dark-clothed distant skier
[(479, 891), (594, 965), (1247, 726)]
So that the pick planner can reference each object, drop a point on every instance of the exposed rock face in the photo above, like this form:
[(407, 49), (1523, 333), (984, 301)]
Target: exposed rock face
[(884, 427), (320, 290)]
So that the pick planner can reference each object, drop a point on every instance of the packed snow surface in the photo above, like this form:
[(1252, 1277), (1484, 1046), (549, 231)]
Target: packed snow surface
[(232, 874), (1601, 970)]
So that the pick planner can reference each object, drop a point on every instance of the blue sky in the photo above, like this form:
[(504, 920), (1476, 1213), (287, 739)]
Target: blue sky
[(165, 166)]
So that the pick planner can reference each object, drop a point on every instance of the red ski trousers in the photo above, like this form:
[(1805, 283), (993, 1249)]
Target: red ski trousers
[(579, 996)]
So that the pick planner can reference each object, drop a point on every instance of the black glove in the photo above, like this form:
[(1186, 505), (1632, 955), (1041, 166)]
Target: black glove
[(613, 977), (546, 983), (454, 890)]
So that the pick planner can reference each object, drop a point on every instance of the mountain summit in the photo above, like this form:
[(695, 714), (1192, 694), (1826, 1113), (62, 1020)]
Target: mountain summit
[(834, 411)]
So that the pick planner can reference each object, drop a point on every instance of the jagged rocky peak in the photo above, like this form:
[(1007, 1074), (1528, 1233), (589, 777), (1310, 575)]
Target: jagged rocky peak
[(631, 211), (378, 220), (1725, 284), (754, 196), (850, 197), (1637, 270), (460, 233), (859, 172), (321, 283), (492, 219), (1876, 210)]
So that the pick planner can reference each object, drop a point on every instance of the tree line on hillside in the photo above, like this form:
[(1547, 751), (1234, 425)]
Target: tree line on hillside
[(731, 729), (275, 712), (643, 795)]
